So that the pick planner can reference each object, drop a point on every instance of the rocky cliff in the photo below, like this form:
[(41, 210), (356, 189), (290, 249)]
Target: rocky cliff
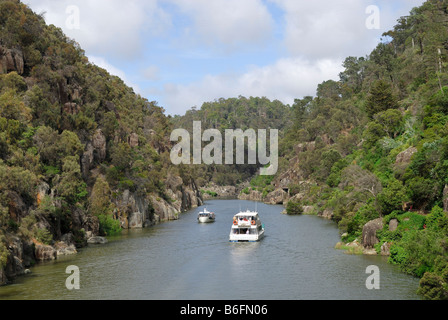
[(82, 156), (132, 210)]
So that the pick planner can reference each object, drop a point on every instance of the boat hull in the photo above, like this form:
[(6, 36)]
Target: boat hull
[(206, 219), (246, 237)]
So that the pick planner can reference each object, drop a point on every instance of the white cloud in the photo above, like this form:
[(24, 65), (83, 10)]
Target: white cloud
[(107, 27), (228, 23), (336, 29), (286, 80)]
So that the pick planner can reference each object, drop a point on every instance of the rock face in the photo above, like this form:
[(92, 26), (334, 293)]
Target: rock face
[(87, 160), (326, 214), (99, 145), (11, 60), (45, 252), (369, 230), (71, 108), (66, 246), (134, 210), (278, 196), (253, 195), (133, 140), (221, 191)]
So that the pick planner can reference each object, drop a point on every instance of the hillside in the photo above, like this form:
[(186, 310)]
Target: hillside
[(81, 154), (374, 145), (234, 113)]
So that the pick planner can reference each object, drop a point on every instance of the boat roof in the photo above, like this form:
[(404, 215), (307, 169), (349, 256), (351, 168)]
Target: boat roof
[(246, 213)]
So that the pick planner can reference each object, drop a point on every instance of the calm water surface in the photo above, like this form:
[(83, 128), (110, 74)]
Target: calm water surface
[(186, 260)]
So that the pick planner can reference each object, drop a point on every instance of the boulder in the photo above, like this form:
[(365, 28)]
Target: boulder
[(308, 209), (64, 249), (393, 224), (405, 156), (385, 248), (44, 252), (278, 196), (369, 238), (327, 214), (97, 240)]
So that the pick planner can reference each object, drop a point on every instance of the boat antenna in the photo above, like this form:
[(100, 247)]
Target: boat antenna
[(256, 206)]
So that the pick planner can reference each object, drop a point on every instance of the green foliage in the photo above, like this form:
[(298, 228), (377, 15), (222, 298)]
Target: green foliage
[(380, 98), (392, 197), (294, 208), (100, 201), (434, 285), (4, 253), (71, 186), (108, 225), (210, 193), (421, 191)]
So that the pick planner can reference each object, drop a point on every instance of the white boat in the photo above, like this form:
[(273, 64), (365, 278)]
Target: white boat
[(246, 227), (206, 216)]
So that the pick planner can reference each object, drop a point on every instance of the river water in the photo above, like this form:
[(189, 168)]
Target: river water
[(185, 260)]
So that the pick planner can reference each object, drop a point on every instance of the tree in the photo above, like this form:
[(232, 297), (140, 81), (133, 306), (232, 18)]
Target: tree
[(100, 203), (391, 120), (380, 98), (294, 208), (392, 197), (353, 76), (71, 186), (421, 191)]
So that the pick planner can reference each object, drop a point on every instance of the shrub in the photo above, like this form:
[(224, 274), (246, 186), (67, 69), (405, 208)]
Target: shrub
[(294, 208), (392, 197), (108, 225)]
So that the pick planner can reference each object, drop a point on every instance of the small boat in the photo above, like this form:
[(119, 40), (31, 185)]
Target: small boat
[(246, 227), (206, 216)]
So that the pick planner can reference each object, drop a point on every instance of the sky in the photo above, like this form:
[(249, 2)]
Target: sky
[(182, 53)]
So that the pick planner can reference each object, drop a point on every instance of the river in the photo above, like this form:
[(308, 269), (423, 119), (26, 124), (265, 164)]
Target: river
[(185, 260)]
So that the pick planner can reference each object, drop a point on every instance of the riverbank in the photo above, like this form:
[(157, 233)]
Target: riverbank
[(368, 244), (132, 211), (187, 260)]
